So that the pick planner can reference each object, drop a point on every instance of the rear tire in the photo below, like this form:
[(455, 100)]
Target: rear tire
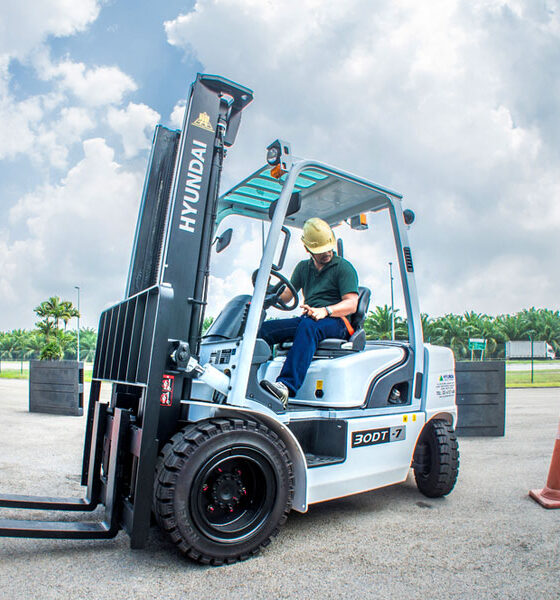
[(223, 488), (436, 459)]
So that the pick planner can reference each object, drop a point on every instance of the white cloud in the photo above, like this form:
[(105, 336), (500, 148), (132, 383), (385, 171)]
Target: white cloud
[(95, 86), (177, 115), (223, 289), (45, 126), (68, 234), (40, 126), (21, 117), (135, 124), (453, 103), (26, 23)]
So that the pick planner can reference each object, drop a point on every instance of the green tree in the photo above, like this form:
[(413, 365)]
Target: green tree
[(88, 341), (206, 324), (480, 325), (549, 327), (378, 324), (52, 311), (450, 330), (510, 327), (427, 327), (35, 341)]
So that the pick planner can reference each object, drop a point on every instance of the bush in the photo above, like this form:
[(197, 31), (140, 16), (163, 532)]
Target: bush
[(51, 351)]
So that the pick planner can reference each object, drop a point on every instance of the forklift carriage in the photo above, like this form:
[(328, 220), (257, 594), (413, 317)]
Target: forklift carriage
[(189, 435)]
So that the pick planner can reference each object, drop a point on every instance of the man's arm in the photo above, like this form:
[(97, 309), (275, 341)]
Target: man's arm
[(286, 295), (347, 306)]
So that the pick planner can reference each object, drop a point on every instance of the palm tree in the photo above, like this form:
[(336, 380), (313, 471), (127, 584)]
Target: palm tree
[(52, 312), (19, 339), (56, 310), (450, 331), (479, 325), (34, 344), (6, 345), (88, 341), (68, 311), (549, 327), (378, 324), (427, 327)]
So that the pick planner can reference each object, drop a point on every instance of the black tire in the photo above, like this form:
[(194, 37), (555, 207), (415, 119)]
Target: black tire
[(223, 488), (436, 459)]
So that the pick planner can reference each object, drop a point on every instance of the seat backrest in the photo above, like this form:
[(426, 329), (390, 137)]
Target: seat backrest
[(358, 318)]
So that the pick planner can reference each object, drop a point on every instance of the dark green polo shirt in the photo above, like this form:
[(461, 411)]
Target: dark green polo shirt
[(327, 286)]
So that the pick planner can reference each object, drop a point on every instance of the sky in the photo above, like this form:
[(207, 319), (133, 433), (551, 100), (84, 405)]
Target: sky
[(453, 103)]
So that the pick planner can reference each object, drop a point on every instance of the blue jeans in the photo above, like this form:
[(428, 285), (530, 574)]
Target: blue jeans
[(306, 334)]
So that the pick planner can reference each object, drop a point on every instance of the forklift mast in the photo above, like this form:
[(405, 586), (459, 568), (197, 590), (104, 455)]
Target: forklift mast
[(163, 312), (145, 340)]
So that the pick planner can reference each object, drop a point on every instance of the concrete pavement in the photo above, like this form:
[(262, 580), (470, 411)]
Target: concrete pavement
[(487, 539)]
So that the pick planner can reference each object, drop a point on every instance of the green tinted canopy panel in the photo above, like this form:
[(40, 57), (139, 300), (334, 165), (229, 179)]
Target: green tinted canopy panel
[(333, 196)]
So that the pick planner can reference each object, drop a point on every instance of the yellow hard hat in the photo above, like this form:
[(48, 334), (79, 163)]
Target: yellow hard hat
[(317, 236)]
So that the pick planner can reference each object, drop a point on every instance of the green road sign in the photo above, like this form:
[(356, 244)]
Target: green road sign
[(477, 344)]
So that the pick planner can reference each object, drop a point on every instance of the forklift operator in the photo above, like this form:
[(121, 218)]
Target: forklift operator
[(329, 285)]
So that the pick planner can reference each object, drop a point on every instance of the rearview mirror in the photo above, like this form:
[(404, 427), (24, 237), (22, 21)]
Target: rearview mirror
[(293, 206), (224, 240)]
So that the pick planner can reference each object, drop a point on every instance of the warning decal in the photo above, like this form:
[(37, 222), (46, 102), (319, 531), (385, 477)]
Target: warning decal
[(203, 121), (166, 398)]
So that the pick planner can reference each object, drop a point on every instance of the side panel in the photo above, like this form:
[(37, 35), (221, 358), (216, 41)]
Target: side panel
[(342, 382), (379, 453), (439, 388)]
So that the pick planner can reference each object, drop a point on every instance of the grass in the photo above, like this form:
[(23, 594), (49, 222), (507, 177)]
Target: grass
[(528, 361), (14, 374), (18, 374), (520, 379)]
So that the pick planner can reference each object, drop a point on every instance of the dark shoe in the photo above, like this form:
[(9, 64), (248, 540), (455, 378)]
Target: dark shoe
[(277, 389)]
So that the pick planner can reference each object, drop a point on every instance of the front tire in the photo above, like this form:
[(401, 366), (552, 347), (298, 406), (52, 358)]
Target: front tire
[(436, 459), (223, 488)]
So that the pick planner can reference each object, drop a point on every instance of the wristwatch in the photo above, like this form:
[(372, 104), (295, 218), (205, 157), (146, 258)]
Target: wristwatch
[(329, 311)]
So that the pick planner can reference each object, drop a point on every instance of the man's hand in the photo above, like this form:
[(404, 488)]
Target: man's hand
[(315, 313)]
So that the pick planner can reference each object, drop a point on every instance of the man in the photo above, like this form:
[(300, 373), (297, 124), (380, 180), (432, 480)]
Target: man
[(329, 285)]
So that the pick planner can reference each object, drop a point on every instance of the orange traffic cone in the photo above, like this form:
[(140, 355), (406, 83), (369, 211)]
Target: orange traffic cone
[(549, 496)]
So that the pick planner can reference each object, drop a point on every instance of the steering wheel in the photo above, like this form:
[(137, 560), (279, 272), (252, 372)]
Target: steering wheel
[(278, 288)]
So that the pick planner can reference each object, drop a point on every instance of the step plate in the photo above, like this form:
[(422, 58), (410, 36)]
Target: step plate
[(317, 460)]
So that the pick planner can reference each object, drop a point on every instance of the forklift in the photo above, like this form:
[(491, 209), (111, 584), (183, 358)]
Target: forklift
[(189, 437)]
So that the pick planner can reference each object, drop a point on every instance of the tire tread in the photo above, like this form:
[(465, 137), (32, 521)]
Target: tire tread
[(172, 458), (442, 443)]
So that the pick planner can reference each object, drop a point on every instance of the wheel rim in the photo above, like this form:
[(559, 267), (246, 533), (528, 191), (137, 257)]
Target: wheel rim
[(233, 494)]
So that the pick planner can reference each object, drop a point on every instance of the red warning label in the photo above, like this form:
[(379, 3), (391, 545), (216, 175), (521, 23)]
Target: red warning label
[(166, 398)]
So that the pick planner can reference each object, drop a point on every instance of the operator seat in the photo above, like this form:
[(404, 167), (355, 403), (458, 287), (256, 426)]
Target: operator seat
[(357, 342)]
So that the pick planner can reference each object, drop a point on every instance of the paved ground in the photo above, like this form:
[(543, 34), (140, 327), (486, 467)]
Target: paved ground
[(486, 540)]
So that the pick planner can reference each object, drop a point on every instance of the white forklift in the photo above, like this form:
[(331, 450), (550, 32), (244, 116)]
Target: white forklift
[(366, 412), (189, 435)]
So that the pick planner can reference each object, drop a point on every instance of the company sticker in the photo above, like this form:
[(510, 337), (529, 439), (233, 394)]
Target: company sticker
[(372, 437), (445, 386)]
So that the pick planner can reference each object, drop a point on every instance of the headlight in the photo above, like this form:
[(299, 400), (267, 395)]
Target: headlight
[(273, 154)]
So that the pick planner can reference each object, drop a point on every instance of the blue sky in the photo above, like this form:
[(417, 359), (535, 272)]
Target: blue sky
[(452, 102)]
